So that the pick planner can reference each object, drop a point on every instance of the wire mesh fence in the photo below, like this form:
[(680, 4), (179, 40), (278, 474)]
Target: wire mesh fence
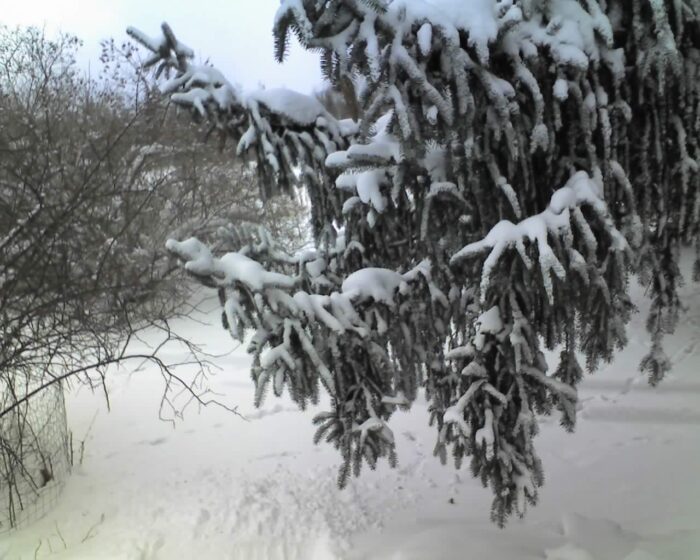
[(34, 456)]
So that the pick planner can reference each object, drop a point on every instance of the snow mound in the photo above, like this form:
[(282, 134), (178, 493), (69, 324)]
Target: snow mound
[(604, 539), (597, 539), (302, 517)]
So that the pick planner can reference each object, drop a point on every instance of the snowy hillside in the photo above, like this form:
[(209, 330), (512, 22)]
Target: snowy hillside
[(623, 487)]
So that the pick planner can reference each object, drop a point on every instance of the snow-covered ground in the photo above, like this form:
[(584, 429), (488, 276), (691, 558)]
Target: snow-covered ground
[(215, 486)]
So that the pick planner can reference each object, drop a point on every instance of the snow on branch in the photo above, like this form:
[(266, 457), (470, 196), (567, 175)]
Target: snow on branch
[(229, 269), (579, 190)]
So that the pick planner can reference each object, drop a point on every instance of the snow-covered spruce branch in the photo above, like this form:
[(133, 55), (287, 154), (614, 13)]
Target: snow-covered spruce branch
[(470, 112), (289, 132), (264, 300), (300, 337), (488, 413), (556, 220)]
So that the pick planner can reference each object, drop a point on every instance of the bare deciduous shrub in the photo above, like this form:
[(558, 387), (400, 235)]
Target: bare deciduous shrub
[(93, 180)]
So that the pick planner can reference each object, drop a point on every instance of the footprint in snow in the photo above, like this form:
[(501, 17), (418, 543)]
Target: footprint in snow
[(149, 550), (275, 455), (277, 409), (202, 519)]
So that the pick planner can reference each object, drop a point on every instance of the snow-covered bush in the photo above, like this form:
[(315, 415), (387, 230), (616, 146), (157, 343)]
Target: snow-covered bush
[(512, 163)]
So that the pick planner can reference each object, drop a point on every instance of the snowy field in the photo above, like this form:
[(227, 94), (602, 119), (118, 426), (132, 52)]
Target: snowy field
[(215, 486)]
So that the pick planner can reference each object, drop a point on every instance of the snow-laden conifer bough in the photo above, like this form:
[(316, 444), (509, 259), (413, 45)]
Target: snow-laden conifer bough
[(513, 164)]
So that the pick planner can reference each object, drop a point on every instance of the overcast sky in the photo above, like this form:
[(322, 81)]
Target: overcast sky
[(234, 34)]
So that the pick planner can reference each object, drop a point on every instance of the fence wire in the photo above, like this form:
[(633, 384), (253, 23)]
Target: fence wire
[(34, 456)]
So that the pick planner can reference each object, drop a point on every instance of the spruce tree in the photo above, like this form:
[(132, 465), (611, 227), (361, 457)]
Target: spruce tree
[(512, 164)]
